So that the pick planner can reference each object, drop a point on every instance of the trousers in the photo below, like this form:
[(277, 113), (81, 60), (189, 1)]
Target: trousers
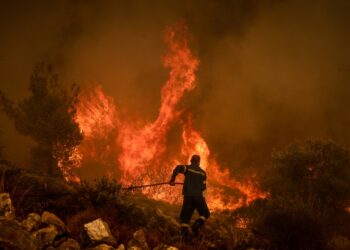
[(190, 204)]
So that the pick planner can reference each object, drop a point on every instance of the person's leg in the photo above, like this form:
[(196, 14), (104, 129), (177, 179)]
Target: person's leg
[(187, 210), (204, 214)]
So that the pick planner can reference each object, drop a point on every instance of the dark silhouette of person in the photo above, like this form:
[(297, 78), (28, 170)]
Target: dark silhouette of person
[(193, 195)]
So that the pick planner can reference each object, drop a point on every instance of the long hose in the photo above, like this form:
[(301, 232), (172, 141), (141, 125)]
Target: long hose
[(150, 185), (124, 188)]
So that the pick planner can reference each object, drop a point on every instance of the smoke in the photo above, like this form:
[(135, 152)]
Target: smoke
[(270, 71), (285, 79)]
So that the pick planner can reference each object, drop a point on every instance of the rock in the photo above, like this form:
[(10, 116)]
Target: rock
[(69, 244), (102, 247), (164, 223), (45, 236), (32, 222), (138, 241), (99, 232), (14, 236), (121, 247), (165, 247), (134, 248), (168, 218), (7, 211), (48, 218)]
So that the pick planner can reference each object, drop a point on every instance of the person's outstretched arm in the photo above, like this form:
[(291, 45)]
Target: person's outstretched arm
[(179, 169)]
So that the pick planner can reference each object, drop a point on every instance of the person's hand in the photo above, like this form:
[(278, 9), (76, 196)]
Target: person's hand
[(172, 182)]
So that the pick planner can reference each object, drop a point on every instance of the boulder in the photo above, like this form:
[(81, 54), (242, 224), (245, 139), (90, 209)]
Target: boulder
[(99, 232), (14, 236), (48, 218), (138, 241), (102, 247), (7, 211), (32, 222), (172, 221), (69, 244), (164, 223), (165, 247), (121, 247), (134, 248), (44, 237)]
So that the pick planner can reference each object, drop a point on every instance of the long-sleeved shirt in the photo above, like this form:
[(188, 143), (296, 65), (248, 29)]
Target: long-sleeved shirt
[(195, 180)]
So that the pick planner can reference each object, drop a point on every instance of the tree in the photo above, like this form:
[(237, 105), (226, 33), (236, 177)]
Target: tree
[(47, 116)]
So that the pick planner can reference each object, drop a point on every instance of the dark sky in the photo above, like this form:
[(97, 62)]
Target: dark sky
[(271, 71)]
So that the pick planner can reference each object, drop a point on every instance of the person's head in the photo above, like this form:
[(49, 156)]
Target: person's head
[(195, 160)]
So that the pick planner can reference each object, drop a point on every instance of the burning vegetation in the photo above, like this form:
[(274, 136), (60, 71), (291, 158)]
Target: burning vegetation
[(140, 148), (300, 201)]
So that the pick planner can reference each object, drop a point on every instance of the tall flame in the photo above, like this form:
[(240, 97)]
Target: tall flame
[(141, 151), (143, 147)]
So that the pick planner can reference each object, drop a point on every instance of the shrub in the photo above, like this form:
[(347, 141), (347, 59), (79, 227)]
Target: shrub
[(309, 186), (291, 227), (317, 172), (98, 193)]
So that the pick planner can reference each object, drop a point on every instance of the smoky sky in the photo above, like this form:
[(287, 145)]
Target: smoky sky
[(270, 72)]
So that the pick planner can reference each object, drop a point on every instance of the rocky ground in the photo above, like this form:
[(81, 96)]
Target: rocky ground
[(33, 216), (48, 231), (40, 212)]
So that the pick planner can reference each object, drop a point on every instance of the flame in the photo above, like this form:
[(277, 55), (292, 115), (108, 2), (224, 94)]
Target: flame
[(144, 146), (96, 113), (69, 173), (242, 222), (220, 182), (141, 151), (97, 118)]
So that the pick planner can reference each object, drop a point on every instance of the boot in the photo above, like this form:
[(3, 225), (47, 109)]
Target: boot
[(197, 226)]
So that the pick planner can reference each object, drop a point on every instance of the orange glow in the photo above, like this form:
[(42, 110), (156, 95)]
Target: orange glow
[(141, 152), (96, 113), (68, 172), (241, 222), (143, 147), (97, 119), (220, 182)]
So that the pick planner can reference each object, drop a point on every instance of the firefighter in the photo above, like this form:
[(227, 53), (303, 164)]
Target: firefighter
[(193, 195)]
